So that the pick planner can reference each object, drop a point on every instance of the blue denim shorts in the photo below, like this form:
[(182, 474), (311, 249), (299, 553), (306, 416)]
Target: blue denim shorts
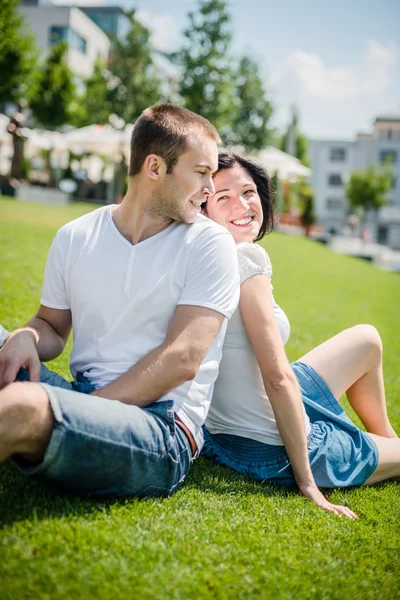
[(80, 384), (340, 454), (104, 447)]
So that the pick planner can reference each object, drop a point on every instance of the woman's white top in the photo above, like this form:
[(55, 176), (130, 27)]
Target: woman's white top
[(240, 405)]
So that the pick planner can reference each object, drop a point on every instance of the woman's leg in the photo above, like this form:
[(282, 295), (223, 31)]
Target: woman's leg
[(351, 363), (389, 459)]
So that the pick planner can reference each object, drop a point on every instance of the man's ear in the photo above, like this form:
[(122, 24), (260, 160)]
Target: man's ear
[(154, 167)]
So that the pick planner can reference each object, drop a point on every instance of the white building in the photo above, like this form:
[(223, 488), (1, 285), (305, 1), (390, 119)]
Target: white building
[(333, 161), (51, 24)]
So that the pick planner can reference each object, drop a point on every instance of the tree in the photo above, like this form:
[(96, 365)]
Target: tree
[(18, 57), (307, 215), (368, 189), (294, 142), (55, 93), (276, 191), (94, 105), (250, 127), (304, 196), (206, 84), (18, 54), (132, 81)]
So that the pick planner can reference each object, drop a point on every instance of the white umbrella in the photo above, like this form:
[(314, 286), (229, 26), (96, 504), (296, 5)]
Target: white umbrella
[(288, 167), (47, 140), (100, 139), (4, 135)]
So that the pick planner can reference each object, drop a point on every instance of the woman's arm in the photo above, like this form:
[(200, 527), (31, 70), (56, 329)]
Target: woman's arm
[(280, 385)]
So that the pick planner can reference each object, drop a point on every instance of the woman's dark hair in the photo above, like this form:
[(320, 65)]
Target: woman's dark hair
[(263, 183)]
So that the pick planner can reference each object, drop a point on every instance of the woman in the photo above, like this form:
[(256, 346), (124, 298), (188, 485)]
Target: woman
[(279, 422)]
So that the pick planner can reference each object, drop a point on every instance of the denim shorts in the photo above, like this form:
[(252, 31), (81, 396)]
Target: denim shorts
[(340, 454), (80, 384), (104, 447)]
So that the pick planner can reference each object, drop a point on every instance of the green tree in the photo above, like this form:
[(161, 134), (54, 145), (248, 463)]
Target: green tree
[(307, 215), (18, 59), (132, 81), (207, 85), (304, 196), (276, 191), (368, 189), (55, 93), (94, 106), (254, 111), (300, 141), (18, 54)]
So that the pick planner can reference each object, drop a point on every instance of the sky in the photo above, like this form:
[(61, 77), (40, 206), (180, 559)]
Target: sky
[(339, 62)]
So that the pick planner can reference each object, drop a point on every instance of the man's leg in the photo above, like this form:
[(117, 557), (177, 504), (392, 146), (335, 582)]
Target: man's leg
[(26, 421), (91, 444)]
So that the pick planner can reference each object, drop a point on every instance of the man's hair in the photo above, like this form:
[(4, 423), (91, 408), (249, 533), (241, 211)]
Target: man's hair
[(263, 184), (165, 130)]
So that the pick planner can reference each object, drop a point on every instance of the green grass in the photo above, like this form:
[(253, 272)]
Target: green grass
[(221, 536)]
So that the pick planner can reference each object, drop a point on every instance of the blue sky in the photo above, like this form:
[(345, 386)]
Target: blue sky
[(338, 61)]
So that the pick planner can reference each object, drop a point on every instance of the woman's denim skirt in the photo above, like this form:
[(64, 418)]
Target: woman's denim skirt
[(340, 454)]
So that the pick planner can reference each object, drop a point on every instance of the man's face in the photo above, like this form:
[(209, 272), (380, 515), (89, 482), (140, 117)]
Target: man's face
[(182, 192)]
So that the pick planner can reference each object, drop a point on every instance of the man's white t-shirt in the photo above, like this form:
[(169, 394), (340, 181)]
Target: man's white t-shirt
[(122, 297)]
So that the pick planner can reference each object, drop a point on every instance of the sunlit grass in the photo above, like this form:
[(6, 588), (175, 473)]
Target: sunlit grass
[(221, 536)]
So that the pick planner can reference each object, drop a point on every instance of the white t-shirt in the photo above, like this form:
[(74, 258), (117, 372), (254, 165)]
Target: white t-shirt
[(122, 297), (240, 405)]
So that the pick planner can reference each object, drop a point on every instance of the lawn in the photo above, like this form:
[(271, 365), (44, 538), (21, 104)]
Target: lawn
[(221, 536)]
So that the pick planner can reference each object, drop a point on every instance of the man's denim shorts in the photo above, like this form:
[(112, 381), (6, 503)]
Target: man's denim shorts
[(105, 447), (340, 454)]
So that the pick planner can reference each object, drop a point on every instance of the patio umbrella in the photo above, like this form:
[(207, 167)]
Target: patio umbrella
[(288, 167), (99, 139)]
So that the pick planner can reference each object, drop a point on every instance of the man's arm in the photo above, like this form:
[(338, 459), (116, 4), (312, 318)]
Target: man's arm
[(43, 338), (53, 327), (190, 334)]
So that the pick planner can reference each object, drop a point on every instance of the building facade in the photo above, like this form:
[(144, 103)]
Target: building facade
[(86, 41), (113, 20), (332, 163)]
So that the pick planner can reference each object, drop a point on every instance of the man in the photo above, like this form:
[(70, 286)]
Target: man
[(147, 287)]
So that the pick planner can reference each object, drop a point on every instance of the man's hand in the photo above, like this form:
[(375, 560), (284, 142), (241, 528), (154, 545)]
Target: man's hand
[(19, 351)]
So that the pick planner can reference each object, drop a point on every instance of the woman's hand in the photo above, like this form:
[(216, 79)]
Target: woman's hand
[(312, 492)]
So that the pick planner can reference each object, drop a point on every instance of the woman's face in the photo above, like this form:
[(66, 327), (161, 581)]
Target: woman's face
[(236, 204)]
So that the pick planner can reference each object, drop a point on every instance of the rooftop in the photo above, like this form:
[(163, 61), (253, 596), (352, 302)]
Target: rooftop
[(388, 119)]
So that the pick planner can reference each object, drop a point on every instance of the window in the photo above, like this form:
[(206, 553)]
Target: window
[(388, 156), (394, 182), (338, 154), (382, 234), (57, 34), (73, 39), (334, 204), (335, 179), (76, 41)]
